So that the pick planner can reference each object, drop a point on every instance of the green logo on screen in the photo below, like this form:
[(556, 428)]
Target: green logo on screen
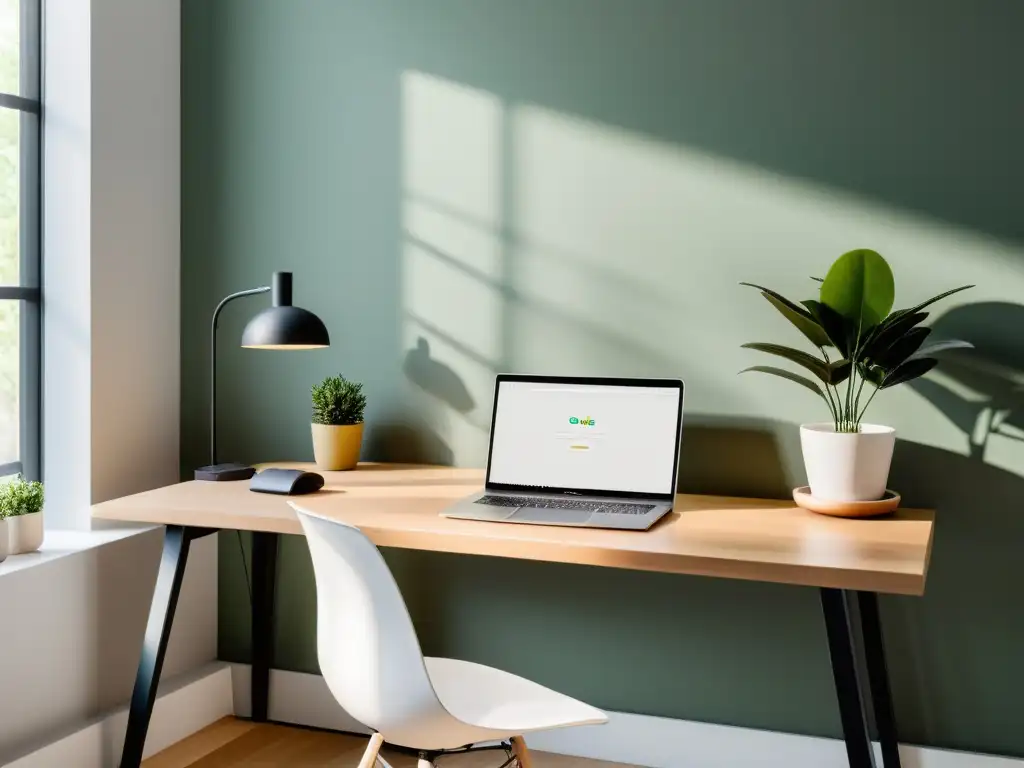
[(586, 422)]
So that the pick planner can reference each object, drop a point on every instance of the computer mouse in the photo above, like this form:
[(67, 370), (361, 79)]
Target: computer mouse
[(287, 482)]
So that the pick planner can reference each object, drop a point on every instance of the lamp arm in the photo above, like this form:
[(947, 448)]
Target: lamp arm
[(213, 362)]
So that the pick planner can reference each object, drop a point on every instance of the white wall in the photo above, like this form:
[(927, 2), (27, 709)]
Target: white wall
[(73, 626), (111, 278), (67, 283), (136, 193)]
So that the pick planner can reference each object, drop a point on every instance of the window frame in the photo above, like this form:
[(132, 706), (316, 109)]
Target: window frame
[(28, 292)]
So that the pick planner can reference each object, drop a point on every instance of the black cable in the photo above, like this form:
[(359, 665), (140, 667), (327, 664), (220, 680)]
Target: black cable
[(245, 566)]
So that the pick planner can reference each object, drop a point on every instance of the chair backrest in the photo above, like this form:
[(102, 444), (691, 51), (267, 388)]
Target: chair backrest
[(369, 653)]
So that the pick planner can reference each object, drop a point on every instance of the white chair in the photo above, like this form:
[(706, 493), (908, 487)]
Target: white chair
[(372, 662)]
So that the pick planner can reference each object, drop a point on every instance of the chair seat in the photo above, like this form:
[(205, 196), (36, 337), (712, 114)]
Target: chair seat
[(494, 700)]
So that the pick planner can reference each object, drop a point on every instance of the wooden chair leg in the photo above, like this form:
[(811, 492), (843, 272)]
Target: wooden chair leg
[(370, 755), (521, 752)]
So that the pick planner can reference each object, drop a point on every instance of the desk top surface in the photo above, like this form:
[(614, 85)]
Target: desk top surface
[(398, 505)]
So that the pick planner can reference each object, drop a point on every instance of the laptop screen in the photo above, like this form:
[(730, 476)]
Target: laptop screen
[(582, 436)]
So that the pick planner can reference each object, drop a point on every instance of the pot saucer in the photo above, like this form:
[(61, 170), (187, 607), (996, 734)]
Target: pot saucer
[(890, 502)]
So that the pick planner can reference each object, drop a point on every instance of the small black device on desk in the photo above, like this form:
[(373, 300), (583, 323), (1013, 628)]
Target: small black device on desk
[(225, 472), (287, 482)]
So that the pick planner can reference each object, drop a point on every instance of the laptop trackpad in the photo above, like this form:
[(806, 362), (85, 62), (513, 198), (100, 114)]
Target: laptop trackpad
[(554, 516)]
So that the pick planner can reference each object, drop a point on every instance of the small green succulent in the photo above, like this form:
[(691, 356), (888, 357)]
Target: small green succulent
[(338, 401), (20, 497)]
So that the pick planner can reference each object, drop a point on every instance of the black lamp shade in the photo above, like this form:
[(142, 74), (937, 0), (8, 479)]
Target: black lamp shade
[(285, 327)]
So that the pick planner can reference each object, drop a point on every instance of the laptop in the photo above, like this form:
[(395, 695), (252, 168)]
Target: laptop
[(587, 452)]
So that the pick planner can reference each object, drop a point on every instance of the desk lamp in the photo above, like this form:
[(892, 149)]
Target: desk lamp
[(281, 326)]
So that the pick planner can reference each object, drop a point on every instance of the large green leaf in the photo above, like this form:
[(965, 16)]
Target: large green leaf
[(860, 287), (886, 333), (841, 332), (780, 298), (902, 348), (873, 373), (818, 367), (910, 370), (839, 371), (900, 312), (935, 347), (806, 324), (796, 378)]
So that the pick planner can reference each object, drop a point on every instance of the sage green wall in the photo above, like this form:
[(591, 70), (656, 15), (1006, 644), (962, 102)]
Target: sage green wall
[(469, 186)]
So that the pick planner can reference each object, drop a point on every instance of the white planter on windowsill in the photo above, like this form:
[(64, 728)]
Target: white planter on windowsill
[(25, 533), (845, 466)]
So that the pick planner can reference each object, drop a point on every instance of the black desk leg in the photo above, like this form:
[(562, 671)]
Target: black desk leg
[(878, 677), (264, 576), (844, 669), (158, 629)]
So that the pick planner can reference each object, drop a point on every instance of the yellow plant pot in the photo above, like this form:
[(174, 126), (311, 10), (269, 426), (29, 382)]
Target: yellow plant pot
[(336, 447)]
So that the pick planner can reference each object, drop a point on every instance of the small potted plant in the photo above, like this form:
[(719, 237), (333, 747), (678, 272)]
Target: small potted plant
[(338, 406), (863, 347), (21, 503)]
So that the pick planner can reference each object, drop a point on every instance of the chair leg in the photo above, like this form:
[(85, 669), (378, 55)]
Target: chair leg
[(521, 752), (370, 755)]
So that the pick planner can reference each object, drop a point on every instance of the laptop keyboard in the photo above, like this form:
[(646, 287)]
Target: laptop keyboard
[(604, 507)]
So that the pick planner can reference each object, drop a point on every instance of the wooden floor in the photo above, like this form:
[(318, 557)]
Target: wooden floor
[(232, 743)]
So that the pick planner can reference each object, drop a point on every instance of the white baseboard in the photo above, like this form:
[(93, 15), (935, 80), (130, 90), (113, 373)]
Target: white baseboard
[(185, 704), (655, 742), (191, 702), (295, 698)]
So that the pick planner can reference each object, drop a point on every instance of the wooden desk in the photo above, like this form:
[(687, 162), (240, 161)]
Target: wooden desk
[(398, 505)]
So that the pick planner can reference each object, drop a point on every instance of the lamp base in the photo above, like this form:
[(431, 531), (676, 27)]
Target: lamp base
[(221, 472)]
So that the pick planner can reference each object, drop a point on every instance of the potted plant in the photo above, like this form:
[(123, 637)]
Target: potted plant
[(21, 503), (338, 406), (863, 347)]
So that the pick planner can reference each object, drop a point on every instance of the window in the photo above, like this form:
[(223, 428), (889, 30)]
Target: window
[(20, 352)]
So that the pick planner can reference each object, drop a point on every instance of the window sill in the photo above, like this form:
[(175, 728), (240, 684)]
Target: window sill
[(58, 544)]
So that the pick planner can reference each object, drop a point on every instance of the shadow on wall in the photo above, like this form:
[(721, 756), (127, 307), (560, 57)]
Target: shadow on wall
[(436, 378), (954, 654), (981, 391), (954, 649), (713, 446), (408, 443)]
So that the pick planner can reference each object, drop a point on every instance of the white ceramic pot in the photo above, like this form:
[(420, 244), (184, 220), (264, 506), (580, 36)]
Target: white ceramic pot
[(25, 533), (844, 466), (3, 540)]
